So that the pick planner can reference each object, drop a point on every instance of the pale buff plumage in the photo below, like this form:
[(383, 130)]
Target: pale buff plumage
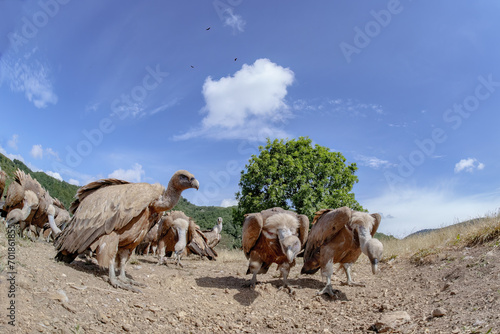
[(111, 217)]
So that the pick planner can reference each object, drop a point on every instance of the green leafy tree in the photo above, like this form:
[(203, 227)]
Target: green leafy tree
[(294, 174)]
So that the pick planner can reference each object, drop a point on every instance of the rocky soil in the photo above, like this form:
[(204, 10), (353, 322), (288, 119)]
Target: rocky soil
[(457, 291)]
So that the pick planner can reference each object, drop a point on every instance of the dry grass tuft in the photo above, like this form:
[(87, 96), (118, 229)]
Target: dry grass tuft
[(230, 255), (423, 248)]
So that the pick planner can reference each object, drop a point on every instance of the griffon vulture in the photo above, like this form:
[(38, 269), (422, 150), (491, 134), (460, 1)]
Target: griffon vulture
[(175, 232), (198, 243), (213, 236), (111, 217), (340, 236), (150, 241), (273, 236), (46, 210), (19, 216)]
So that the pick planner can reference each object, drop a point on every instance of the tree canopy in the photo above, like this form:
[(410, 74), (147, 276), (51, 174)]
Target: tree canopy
[(294, 174)]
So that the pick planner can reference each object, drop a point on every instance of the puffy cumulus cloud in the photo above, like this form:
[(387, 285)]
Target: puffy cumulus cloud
[(133, 174), (228, 202), (54, 175), (37, 151), (468, 165), (248, 105)]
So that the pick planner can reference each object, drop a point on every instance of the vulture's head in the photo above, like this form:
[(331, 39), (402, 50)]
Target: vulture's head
[(290, 245), (182, 179), (374, 250)]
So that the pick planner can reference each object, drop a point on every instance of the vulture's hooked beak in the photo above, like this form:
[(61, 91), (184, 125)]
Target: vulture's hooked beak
[(290, 255), (195, 183), (374, 266)]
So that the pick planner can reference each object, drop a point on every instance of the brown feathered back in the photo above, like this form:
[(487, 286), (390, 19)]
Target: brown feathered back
[(104, 206)]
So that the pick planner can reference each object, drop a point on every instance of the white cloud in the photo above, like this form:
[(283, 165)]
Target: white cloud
[(31, 79), (248, 105), (373, 162), (134, 174), (37, 151), (51, 152), (74, 182), (412, 209), (228, 202), (54, 175), (468, 165), (164, 106), (11, 156), (338, 105), (233, 20), (13, 142)]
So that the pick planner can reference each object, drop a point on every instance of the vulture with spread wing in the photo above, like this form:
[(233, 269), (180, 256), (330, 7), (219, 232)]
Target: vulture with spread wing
[(273, 236), (111, 217), (340, 236)]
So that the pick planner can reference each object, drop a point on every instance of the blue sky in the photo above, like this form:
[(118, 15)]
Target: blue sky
[(408, 90)]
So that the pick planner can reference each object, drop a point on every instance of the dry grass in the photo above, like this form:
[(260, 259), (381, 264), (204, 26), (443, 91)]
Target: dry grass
[(230, 255), (416, 248)]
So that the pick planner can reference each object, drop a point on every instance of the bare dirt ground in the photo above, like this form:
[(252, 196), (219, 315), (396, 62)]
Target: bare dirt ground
[(209, 297)]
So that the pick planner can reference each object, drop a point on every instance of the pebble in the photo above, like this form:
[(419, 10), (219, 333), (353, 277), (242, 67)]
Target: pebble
[(439, 312)]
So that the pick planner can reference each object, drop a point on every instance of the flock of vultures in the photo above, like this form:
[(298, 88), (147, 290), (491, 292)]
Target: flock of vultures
[(111, 218)]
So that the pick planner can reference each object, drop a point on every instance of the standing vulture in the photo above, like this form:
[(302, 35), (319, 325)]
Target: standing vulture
[(150, 241), (213, 235), (340, 236), (273, 236), (46, 210), (175, 232), (19, 216), (111, 217), (198, 243)]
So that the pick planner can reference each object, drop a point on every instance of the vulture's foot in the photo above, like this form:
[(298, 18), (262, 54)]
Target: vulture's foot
[(352, 283), (251, 284), (288, 289), (130, 281), (328, 290), (122, 285)]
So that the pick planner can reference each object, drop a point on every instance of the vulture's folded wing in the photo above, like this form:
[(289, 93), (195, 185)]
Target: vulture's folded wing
[(303, 229), (327, 223), (252, 227), (103, 210), (378, 218)]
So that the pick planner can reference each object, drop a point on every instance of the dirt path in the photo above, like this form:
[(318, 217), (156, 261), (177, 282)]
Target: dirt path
[(208, 297)]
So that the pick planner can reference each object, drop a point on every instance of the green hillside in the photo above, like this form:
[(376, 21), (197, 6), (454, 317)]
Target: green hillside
[(206, 218), (61, 190)]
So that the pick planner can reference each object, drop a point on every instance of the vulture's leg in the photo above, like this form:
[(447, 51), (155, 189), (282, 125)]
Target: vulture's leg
[(161, 253), (177, 256), (350, 282), (285, 270), (253, 267), (327, 271), (123, 255), (116, 283)]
